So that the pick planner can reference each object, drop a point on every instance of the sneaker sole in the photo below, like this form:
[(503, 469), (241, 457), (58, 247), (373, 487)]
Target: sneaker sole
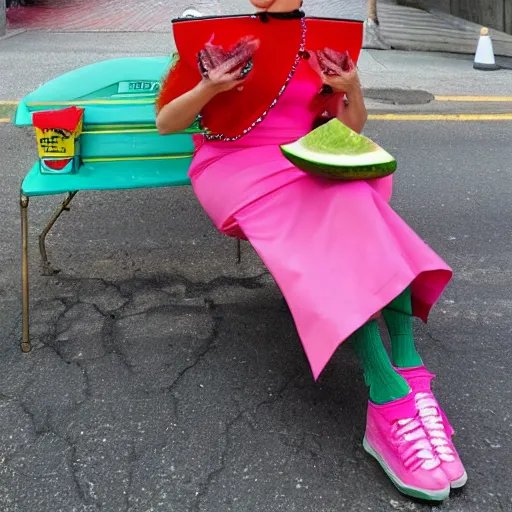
[(460, 482), (424, 494)]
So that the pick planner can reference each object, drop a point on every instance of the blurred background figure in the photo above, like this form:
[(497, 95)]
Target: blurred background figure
[(372, 35)]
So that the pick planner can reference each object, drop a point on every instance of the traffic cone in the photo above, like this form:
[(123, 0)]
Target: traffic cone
[(484, 57)]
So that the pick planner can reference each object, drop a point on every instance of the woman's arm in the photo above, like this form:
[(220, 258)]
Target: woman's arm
[(180, 113), (352, 112), (344, 84)]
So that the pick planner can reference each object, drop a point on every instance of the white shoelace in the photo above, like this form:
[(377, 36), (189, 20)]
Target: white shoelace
[(414, 446), (432, 422)]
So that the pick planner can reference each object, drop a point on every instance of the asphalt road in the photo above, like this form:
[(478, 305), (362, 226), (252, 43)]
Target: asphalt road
[(167, 378)]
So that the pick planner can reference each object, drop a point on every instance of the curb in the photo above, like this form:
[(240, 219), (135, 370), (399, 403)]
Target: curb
[(12, 33), (462, 40)]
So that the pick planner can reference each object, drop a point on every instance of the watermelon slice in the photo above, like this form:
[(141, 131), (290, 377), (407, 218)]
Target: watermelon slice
[(335, 151)]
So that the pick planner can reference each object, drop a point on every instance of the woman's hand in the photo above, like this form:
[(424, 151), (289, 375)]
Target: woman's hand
[(223, 78), (225, 70), (180, 113), (347, 83), (222, 71), (337, 71)]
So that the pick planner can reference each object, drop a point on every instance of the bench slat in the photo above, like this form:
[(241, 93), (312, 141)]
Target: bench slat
[(122, 174), (131, 143), (122, 114)]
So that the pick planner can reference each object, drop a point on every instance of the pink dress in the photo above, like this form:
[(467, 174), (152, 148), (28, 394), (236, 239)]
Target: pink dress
[(337, 250)]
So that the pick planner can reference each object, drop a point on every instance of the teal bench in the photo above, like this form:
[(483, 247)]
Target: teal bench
[(120, 146)]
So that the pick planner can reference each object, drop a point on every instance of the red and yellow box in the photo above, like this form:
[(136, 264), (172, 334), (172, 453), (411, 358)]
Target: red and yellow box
[(57, 131), (58, 138)]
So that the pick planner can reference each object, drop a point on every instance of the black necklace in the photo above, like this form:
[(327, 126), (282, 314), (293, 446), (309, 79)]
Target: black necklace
[(294, 15)]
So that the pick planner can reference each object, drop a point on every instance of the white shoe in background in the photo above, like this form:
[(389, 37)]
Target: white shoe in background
[(191, 13)]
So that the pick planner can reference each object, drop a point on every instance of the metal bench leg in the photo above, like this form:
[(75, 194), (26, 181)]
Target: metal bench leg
[(25, 327), (47, 269)]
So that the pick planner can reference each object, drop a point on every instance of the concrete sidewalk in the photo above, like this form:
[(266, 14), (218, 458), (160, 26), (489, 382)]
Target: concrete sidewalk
[(437, 73), (404, 28), (407, 28), (32, 58)]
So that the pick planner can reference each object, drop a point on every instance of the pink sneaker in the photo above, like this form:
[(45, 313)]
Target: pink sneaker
[(436, 424), (397, 439)]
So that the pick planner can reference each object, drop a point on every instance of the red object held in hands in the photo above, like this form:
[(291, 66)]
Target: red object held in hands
[(232, 112), (334, 63), (240, 57)]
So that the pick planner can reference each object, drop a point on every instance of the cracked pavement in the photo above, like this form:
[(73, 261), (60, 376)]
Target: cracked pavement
[(153, 391), (165, 377)]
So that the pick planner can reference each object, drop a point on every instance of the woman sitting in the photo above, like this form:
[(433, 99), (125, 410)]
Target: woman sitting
[(339, 253)]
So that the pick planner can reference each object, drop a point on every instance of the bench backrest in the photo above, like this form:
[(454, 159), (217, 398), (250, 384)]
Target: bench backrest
[(119, 118)]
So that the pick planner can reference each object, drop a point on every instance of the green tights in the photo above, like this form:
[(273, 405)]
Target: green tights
[(384, 383), (398, 318)]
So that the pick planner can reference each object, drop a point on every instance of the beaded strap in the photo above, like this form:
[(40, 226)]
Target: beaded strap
[(298, 58)]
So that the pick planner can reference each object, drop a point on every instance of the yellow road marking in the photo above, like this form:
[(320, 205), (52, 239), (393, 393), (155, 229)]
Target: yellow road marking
[(149, 101), (134, 101), (376, 117), (373, 117), (441, 117), (475, 99)]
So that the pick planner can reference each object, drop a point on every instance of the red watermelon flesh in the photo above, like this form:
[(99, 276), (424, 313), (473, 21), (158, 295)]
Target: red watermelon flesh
[(334, 63), (239, 56)]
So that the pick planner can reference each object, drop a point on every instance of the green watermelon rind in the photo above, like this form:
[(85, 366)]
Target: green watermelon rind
[(352, 173), (335, 151)]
